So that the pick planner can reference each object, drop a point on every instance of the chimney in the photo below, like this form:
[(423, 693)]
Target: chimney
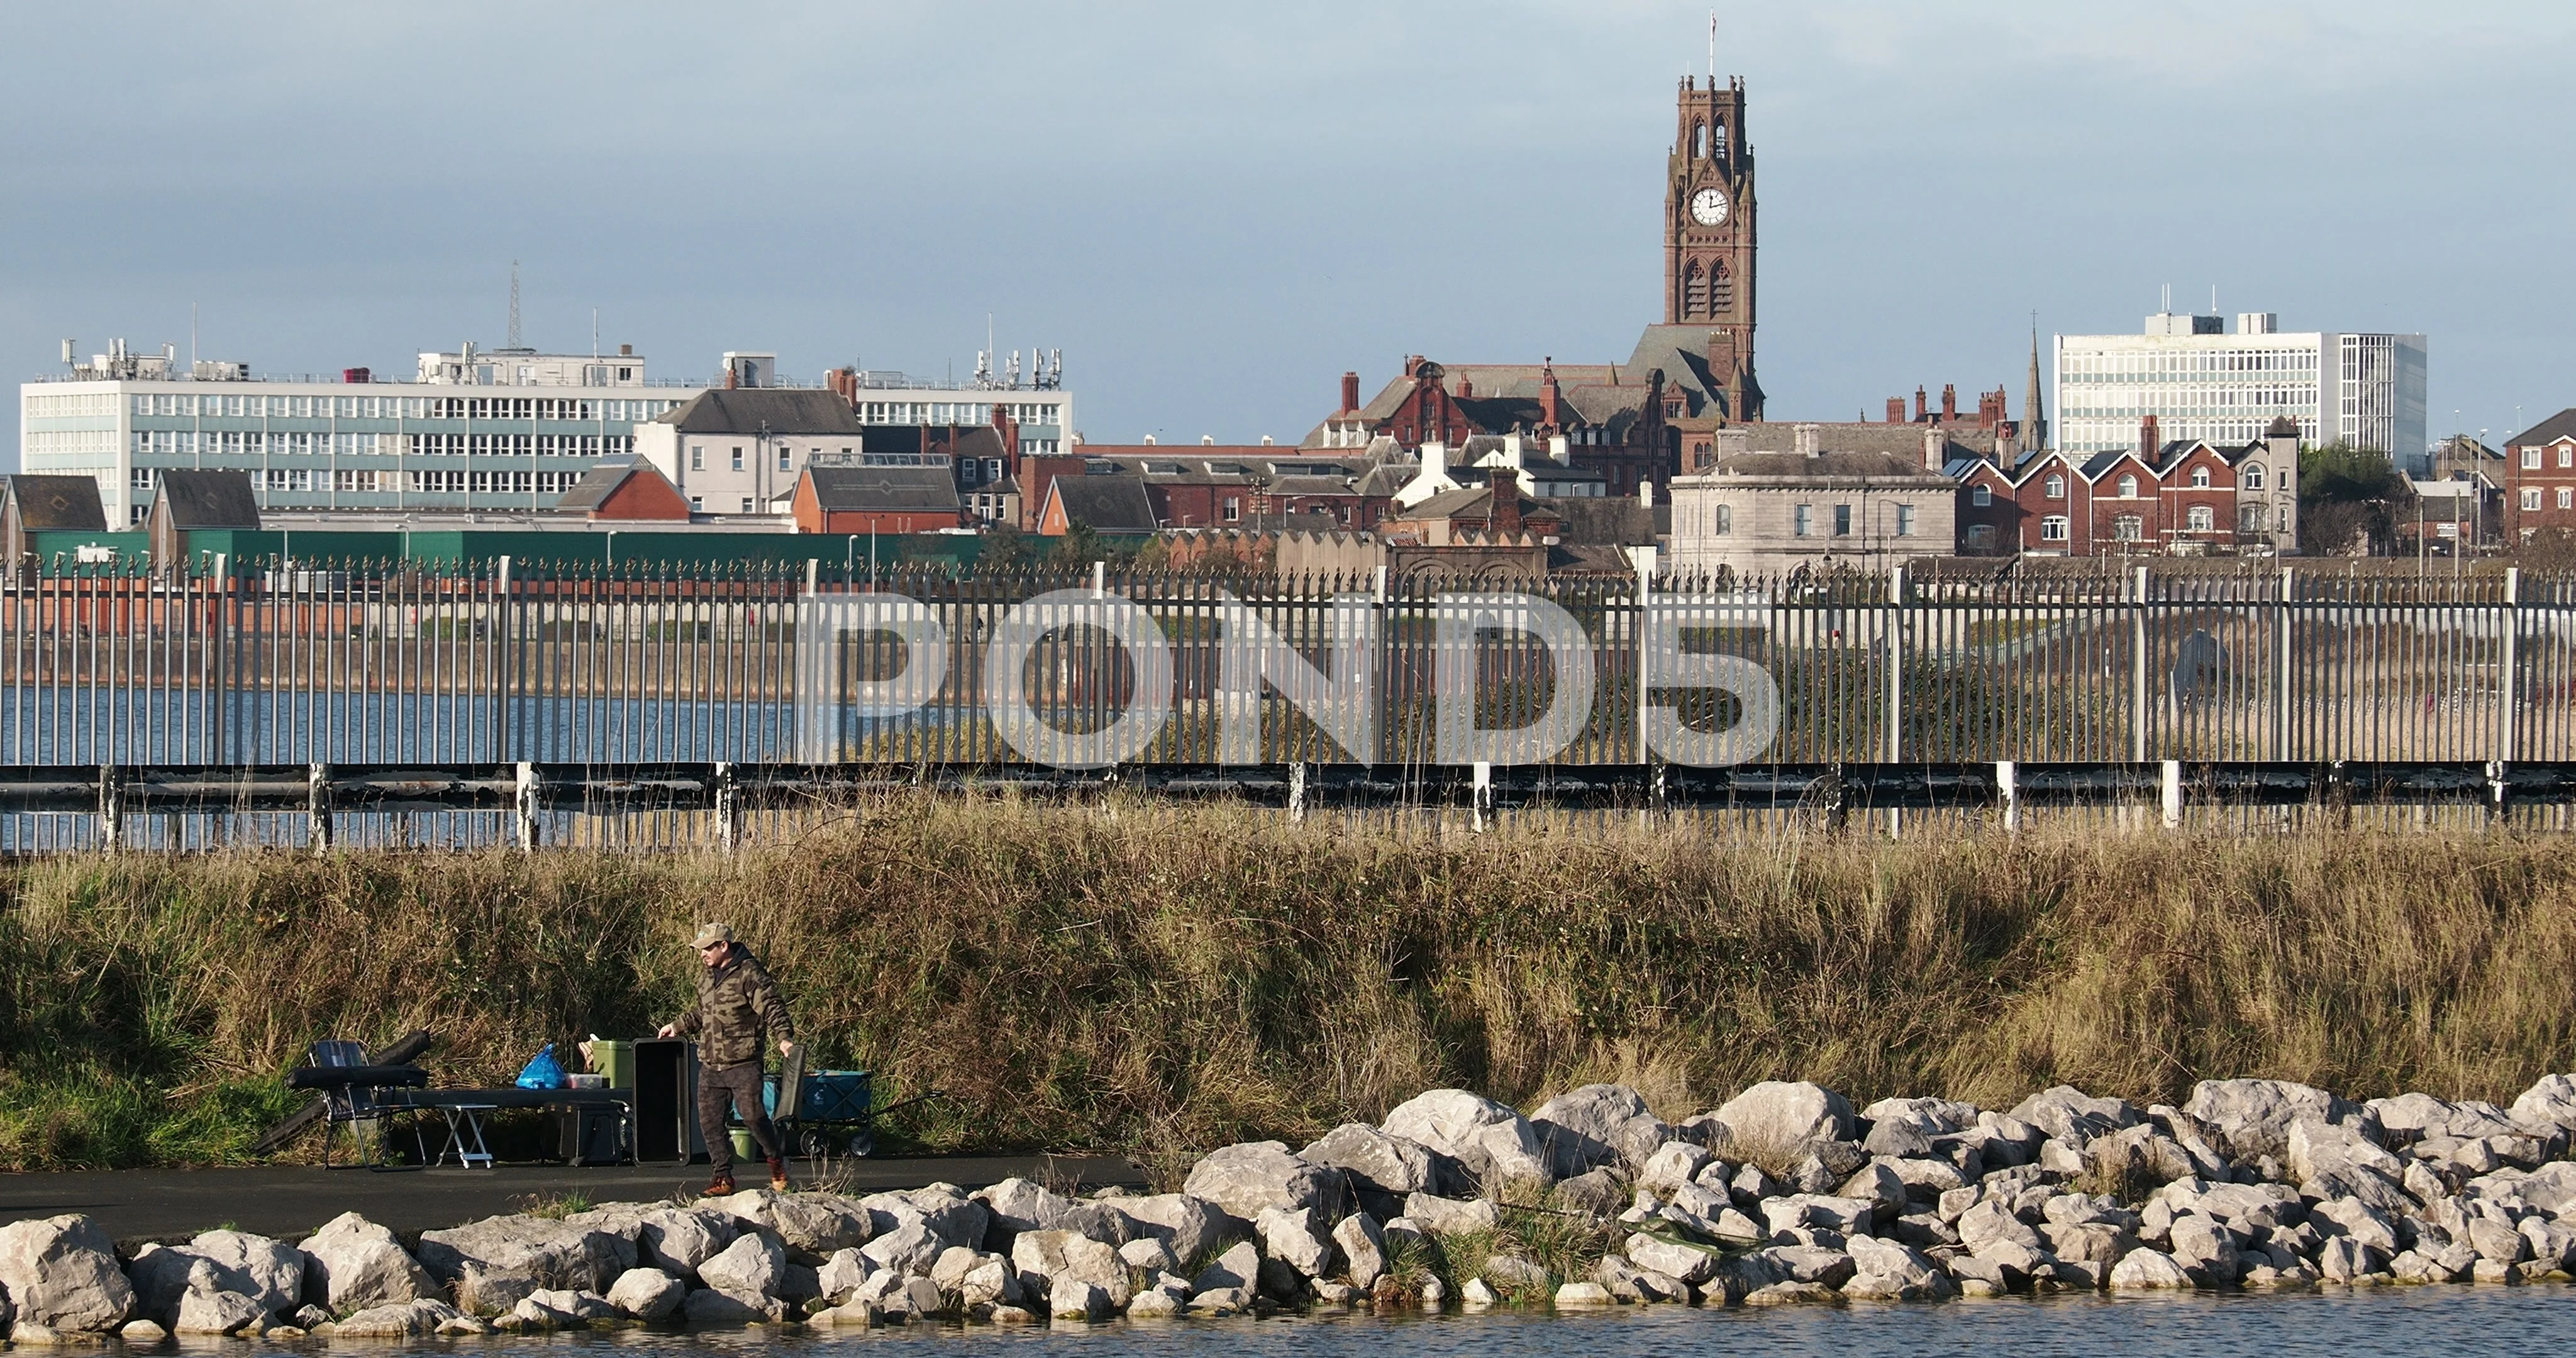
[(2148, 443), (1936, 450), (729, 377), (1506, 486), (1547, 411), (1810, 440), (1949, 402), (1466, 386), (1350, 391), (1646, 494), (1921, 413), (626, 351), (1560, 450), (1896, 410)]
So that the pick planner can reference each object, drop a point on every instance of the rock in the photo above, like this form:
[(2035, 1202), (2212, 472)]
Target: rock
[(2075, 1117), (1149, 1254), (2254, 1117), (1297, 1240), (405, 1320), (1374, 1162), (1597, 1125), (915, 1299), (1786, 1115), (1152, 1304), (60, 1273), (2330, 1161), (992, 1281), (1818, 1211), (269, 1272), (1048, 1260), (498, 1260), (841, 1276), (141, 1333), (1363, 1247), (353, 1263), (2493, 1239), (1020, 1205), (1191, 1226), (1691, 1264), (854, 1315), (1988, 1225), (1449, 1216), (2205, 1249), (2343, 1259), (216, 1313), (908, 1248), (2357, 1219), (1101, 1221), (1583, 1297), (678, 1239), (1673, 1164), (1812, 1264), (1476, 1295), (1221, 1301), (1596, 1192), (1072, 1300), (2550, 1102), (647, 1293), (1792, 1294), (1906, 1267), (2551, 1189), (1882, 1187), (1244, 1178), (1494, 1143), (753, 1265), (723, 1306), (2145, 1270), (2088, 1242)]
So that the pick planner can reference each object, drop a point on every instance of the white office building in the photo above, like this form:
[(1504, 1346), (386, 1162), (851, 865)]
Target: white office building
[(503, 431), (2201, 382)]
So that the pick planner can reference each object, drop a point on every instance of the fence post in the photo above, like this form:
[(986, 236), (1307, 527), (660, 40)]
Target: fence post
[(1892, 740), (1483, 797), (218, 683), (2008, 794), (317, 806), (525, 805), (2170, 788), (2138, 668), (111, 810), (1297, 792), (728, 808), (2283, 658), (2510, 695), (501, 661), (1386, 719)]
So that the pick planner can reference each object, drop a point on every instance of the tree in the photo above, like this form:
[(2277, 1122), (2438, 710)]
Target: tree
[(2347, 499)]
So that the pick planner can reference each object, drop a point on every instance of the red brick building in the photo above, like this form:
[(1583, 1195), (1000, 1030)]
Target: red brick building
[(2540, 471), (2181, 498), (876, 500)]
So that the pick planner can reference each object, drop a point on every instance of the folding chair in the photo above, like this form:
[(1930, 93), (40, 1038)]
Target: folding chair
[(355, 1105)]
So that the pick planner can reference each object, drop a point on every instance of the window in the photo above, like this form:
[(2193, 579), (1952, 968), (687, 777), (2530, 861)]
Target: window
[(783, 452), (697, 457), (746, 504), (2566, 498), (2127, 528), (737, 457), (2566, 455), (2200, 519), (2056, 488), (1802, 520), (2253, 476), (2200, 478), (2128, 487), (1982, 497), (2531, 459), (697, 504), (2531, 499), (1842, 521), (1725, 520), (1905, 521), (1233, 509), (2053, 528), (1981, 536), (2249, 520), (142, 478)]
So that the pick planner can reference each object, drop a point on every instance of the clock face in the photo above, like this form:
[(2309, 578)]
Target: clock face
[(1708, 206)]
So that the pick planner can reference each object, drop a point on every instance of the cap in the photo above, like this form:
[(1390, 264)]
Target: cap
[(710, 935)]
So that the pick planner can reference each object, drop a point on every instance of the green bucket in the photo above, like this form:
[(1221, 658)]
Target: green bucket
[(614, 1059), (744, 1148)]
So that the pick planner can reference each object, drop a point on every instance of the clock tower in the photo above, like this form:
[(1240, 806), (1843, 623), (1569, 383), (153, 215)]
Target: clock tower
[(1708, 238)]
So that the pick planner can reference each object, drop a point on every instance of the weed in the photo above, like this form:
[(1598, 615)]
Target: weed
[(555, 1208)]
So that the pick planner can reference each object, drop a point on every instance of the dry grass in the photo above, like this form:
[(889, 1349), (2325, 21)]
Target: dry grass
[(1163, 978)]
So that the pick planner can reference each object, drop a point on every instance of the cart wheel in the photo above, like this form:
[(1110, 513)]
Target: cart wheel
[(812, 1143), (863, 1144)]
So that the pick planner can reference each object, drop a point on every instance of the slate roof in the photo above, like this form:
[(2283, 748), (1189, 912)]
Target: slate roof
[(1608, 521), (1105, 504), (751, 410), (1895, 440), (67, 503), (2556, 427), (919, 490), (601, 481), (1833, 466), (208, 499)]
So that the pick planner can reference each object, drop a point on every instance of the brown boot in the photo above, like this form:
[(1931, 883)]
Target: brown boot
[(777, 1176), (720, 1186)]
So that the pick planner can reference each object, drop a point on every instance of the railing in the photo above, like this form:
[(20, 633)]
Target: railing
[(374, 663)]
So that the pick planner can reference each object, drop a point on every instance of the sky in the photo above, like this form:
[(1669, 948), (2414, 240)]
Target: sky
[(1214, 209)]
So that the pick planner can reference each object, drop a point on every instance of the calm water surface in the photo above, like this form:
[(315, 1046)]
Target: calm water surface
[(2444, 1321)]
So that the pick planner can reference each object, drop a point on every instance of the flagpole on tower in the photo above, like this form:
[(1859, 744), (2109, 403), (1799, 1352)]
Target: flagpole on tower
[(1712, 49)]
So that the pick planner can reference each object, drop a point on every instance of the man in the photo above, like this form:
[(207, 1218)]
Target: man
[(737, 1005)]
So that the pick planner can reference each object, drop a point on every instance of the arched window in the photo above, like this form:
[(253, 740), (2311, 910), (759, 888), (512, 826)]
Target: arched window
[(2056, 488), (2128, 487), (2253, 476), (1982, 496), (2200, 519), (1717, 142), (1694, 292), (1721, 291), (1699, 142), (2200, 478), (1725, 519)]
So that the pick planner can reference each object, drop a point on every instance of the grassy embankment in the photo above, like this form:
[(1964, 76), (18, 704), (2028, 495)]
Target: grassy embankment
[(1161, 980)]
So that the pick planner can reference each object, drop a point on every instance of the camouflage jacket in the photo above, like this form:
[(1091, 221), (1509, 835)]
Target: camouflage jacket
[(737, 1004)]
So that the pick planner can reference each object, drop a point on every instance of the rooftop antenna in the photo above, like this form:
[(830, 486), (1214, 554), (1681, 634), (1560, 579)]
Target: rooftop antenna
[(2167, 308), (1712, 49), (2213, 299), (192, 337), (594, 332), (514, 304)]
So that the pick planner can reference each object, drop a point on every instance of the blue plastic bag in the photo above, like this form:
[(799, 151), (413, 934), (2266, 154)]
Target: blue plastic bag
[(545, 1072)]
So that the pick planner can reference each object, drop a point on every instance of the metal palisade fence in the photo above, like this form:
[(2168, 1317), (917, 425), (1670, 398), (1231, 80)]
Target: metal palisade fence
[(272, 663)]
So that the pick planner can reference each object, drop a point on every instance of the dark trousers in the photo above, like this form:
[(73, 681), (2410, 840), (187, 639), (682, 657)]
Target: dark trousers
[(740, 1087)]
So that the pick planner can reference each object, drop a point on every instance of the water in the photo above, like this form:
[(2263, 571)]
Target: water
[(2413, 1320)]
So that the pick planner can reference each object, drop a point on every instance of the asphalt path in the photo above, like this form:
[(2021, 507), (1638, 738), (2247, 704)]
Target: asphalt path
[(137, 1205)]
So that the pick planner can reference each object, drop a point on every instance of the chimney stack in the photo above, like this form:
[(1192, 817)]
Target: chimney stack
[(1350, 391), (1936, 449), (1896, 410), (1810, 440), (1547, 395), (2148, 443), (1921, 411), (1506, 486), (1949, 403)]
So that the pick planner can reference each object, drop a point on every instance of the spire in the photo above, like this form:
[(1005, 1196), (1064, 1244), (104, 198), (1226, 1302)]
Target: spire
[(2034, 424)]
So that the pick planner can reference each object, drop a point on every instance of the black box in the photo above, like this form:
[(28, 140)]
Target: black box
[(591, 1134)]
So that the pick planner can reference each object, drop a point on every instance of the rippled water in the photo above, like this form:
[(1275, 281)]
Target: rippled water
[(2451, 1321)]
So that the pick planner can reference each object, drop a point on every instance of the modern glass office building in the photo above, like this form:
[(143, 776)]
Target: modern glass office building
[(2201, 382)]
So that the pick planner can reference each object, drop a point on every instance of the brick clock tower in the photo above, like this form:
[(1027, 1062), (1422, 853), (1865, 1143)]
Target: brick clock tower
[(1708, 238)]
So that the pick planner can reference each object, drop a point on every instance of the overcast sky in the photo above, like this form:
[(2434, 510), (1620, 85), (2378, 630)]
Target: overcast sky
[(1215, 209)]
